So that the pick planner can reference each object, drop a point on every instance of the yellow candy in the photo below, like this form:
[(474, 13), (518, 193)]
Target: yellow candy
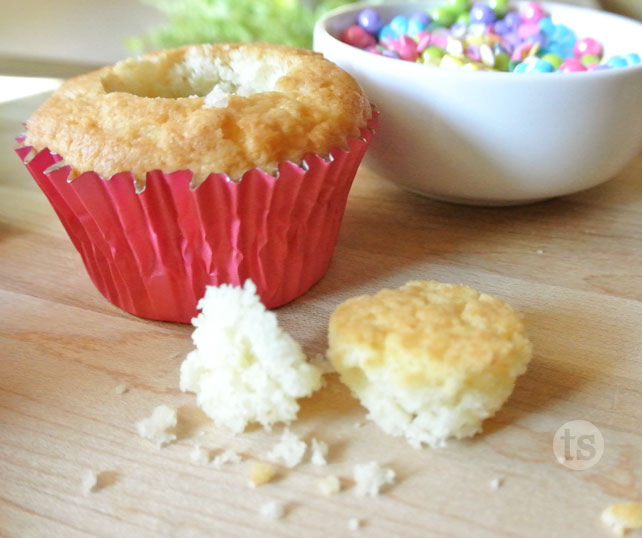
[(534, 49), (474, 40), (450, 62)]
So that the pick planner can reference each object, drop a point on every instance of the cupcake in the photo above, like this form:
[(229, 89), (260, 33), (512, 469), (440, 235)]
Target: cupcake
[(203, 165)]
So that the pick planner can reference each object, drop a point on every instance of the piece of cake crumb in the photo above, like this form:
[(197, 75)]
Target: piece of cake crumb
[(354, 524), (159, 427), (261, 473), (121, 388), (89, 481), (319, 452), (329, 485), (496, 483), (289, 450), (245, 368), (200, 454), (225, 457), (272, 510), (623, 517), (370, 478)]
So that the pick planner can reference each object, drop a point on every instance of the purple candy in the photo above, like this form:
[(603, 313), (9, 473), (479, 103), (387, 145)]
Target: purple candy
[(512, 38), (536, 38), (482, 12), (473, 53), (422, 17), (500, 27), (389, 53), (370, 21), (458, 29), (512, 20)]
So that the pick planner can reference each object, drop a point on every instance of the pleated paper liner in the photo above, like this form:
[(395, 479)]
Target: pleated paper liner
[(152, 252)]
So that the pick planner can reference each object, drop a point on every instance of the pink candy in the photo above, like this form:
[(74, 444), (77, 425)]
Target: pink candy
[(406, 47), (588, 45), (473, 53), (358, 37), (521, 51), (532, 12), (572, 65), (527, 29), (423, 41), (439, 38)]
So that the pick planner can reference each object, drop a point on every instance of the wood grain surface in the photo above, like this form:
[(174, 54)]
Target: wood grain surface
[(572, 265)]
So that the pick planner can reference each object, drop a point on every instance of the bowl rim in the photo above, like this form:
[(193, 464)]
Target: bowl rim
[(321, 29)]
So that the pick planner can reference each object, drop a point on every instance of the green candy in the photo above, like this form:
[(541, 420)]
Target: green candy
[(457, 7), (553, 59), (589, 59), (464, 18), (512, 64), (500, 7), (432, 55), (443, 16), (501, 61)]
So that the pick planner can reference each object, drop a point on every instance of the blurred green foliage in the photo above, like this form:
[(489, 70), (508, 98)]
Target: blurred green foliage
[(289, 22)]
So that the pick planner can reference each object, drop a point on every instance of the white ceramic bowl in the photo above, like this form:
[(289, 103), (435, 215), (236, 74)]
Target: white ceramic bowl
[(493, 138)]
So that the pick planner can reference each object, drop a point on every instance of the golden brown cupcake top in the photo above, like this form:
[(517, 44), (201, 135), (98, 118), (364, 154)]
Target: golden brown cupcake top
[(206, 108), (429, 331)]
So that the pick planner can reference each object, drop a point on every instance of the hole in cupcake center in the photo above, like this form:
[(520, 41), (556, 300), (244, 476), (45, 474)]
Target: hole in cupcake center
[(196, 75)]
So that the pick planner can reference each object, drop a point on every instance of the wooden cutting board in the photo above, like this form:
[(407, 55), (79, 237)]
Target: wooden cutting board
[(572, 265)]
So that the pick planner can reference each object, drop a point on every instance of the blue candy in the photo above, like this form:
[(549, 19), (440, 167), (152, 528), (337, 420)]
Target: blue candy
[(541, 66), (564, 35), (399, 25), (387, 33), (415, 26), (563, 51), (617, 61), (633, 58), (546, 26)]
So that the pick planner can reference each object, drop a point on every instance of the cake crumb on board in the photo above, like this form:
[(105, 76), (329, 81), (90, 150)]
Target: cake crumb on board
[(319, 452), (370, 478), (200, 454), (225, 457), (261, 473), (159, 427), (623, 517), (289, 450), (329, 485), (272, 510)]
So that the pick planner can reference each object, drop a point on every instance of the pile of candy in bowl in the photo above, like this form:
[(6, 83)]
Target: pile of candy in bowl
[(488, 35)]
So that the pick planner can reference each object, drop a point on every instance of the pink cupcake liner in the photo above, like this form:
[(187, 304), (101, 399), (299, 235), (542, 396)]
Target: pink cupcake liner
[(152, 252)]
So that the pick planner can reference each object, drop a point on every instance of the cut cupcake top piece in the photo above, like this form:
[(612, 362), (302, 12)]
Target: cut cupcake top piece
[(429, 360), (206, 108)]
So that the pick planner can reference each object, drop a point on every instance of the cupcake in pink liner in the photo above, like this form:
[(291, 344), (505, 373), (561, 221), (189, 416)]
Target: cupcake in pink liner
[(203, 165)]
